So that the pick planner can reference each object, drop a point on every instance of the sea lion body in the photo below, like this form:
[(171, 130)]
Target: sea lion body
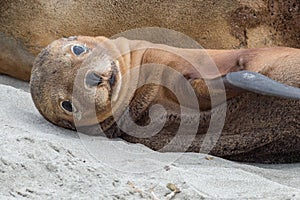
[(254, 129)]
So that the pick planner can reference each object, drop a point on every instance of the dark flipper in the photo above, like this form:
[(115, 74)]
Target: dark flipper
[(258, 83)]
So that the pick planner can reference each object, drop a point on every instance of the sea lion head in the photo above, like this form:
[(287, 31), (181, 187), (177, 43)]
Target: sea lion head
[(62, 90)]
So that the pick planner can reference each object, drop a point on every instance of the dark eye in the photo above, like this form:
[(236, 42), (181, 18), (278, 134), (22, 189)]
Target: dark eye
[(67, 105), (78, 50)]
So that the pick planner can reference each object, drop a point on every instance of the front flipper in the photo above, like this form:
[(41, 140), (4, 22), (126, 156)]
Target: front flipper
[(258, 83)]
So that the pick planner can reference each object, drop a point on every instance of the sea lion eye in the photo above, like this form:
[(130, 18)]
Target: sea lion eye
[(78, 50), (67, 105)]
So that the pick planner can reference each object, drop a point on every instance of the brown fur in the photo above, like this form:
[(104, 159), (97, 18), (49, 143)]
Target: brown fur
[(257, 128), (26, 27)]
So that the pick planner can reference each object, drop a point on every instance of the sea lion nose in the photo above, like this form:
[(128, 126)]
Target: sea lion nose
[(92, 79)]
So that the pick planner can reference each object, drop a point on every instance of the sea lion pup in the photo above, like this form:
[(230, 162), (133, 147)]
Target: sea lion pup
[(87, 81)]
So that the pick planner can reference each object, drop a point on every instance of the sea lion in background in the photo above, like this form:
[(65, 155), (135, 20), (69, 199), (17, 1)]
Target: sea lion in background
[(26, 27), (258, 127)]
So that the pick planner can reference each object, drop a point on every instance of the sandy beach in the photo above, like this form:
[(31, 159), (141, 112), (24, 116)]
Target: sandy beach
[(41, 161)]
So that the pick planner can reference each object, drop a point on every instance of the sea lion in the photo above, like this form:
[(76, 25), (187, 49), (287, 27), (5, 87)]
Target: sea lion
[(262, 115)]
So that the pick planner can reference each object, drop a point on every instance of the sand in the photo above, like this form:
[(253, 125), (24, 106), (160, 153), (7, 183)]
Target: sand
[(41, 161)]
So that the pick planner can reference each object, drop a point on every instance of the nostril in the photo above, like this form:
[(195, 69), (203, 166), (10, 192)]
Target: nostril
[(92, 79)]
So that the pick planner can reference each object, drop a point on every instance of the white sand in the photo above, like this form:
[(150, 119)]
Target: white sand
[(39, 160)]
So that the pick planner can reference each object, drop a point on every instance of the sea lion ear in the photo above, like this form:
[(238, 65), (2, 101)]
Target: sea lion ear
[(258, 83)]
